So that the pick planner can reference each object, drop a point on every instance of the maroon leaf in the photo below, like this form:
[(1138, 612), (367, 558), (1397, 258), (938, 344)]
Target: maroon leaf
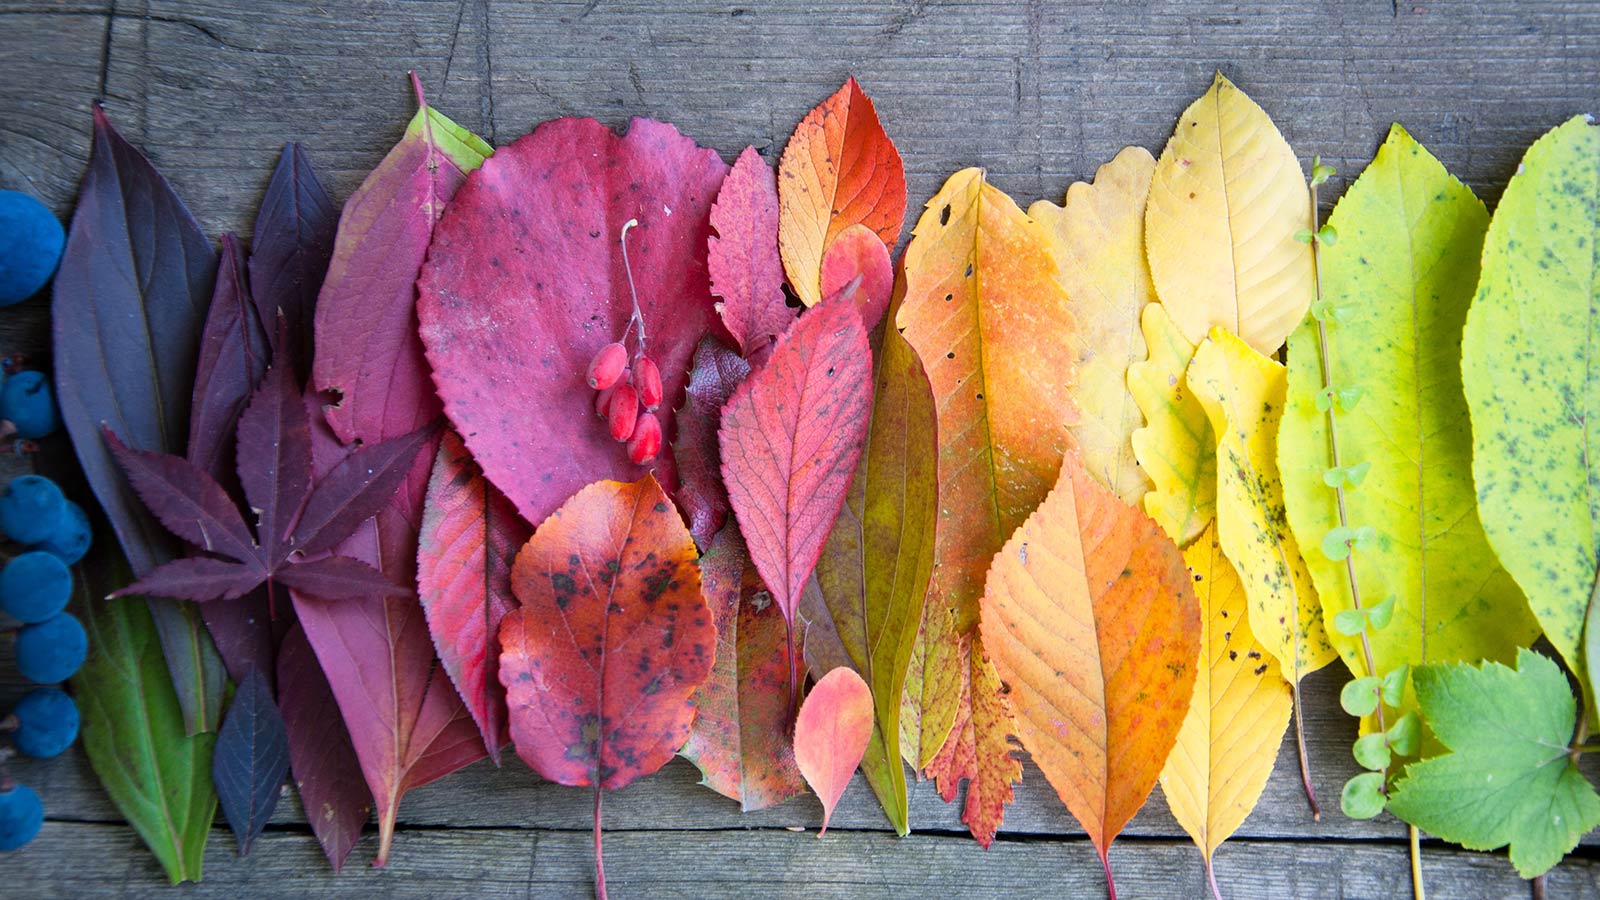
[(291, 248), (746, 270), (247, 632), (275, 470), (233, 357), (338, 577), (188, 501), (470, 532), (356, 489), (321, 758), (717, 371), (197, 578), (525, 281)]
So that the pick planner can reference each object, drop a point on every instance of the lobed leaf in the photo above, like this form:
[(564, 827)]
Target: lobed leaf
[(1176, 448), (742, 256)]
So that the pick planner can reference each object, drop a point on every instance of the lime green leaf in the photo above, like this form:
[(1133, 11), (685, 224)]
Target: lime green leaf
[(1404, 272), (1362, 797), (1360, 696), (1393, 685), (1372, 751), (1508, 778), (1532, 380), (1405, 735)]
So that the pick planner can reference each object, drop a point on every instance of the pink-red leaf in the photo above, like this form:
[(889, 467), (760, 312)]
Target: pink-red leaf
[(791, 437), (717, 371), (321, 758), (188, 502), (831, 734), (858, 253), (470, 532), (610, 597), (525, 282), (746, 270)]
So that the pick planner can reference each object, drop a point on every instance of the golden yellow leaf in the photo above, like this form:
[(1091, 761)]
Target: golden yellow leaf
[(1226, 203), (1098, 239), (1176, 447), (1241, 706)]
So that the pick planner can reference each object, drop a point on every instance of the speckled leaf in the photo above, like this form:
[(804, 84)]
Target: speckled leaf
[(1532, 380), (979, 748), (716, 372), (1175, 448), (831, 733), (610, 596), (742, 257), (740, 740)]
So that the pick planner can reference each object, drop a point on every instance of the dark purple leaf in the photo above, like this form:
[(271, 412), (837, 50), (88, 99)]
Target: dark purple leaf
[(129, 302), (292, 245), (197, 578), (717, 371), (340, 578), (186, 500), (248, 631), (275, 462), (356, 489), (326, 770), (250, 760), (233, 356)]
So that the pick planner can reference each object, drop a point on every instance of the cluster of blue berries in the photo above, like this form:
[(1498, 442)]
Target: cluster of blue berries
[(51, 531)]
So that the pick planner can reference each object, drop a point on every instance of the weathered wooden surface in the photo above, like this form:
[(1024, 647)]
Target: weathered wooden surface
[(1039, 93)]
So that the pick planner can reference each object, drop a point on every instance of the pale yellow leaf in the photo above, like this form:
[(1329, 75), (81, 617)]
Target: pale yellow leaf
[(1175, 448)]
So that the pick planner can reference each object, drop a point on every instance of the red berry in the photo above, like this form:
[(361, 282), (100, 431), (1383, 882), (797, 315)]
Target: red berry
[(623, 411), (645, 445), (607, 366), (647, 378)]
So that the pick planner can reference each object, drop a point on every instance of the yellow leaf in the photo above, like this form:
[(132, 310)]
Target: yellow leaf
[(1176, 447), (1230, 737), (1227, 201), (1243, 395), (1098, 239)]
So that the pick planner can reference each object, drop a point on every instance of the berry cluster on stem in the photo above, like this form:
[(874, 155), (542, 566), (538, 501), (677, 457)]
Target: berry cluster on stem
[(625, 382)]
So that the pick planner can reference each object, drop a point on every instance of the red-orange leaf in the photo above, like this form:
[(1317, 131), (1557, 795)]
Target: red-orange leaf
[(470, 532), (979, 749), (831, 734), (791, 437), (1089, 617), (839, 169), (742, 257), (858, 253)]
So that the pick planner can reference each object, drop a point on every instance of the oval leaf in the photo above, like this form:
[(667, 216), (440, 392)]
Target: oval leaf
[(250, 760), (831, 734)]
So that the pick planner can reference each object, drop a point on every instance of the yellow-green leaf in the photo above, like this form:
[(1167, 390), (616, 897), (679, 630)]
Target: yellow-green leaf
[(1098, 239), (1175, 448), (1227, 201)]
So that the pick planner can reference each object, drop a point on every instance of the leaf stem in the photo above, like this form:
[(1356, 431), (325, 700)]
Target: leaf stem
[(599, 853), (1418, 890), (1211, 879), (793, 704), (1305, 764), (1111, 884), (1536, 889)]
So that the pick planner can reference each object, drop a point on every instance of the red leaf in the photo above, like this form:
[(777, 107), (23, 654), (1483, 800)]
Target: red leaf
[(740, 740), (717, 371), (293, 242), (858, 253), (979, 750), (505, 328), (742, 257), (188, 502), (470, 533), (197, 578), (791, 436), (324, 764), (831, 734)]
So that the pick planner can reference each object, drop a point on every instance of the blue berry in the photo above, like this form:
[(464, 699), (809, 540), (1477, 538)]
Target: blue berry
[(47, 722), (72, 537), (21, 816), (27, 400), (51, 651), (31, 239), (35, 586), (31, 509)]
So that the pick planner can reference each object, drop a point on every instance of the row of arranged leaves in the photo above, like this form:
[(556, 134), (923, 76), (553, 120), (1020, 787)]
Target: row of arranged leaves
[(1043, 480)]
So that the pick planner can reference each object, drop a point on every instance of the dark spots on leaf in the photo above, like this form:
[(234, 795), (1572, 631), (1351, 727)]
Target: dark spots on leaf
[(1261, 669), (944, 218), (1233, 655)]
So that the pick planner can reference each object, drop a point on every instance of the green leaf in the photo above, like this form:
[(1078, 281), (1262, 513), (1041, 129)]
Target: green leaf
[(1359, 697), (1404, 271), (1372, 751), (158, 776), (1405, 735), (863, 608), (1393, 685), (1508, 778), (1382, 614), (1362, 797), (1532, 380), (1350, 622)]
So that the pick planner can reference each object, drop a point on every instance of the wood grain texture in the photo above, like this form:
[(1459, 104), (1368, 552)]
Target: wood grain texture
[(1040, 93)]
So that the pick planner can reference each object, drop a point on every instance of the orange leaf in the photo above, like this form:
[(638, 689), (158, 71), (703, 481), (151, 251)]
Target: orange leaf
[(839, 169), (831, 734), (979, 749), (1089, 617)]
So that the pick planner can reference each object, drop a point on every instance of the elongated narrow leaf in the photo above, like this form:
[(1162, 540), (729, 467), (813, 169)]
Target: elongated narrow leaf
[(233, 357), (1090, 620), (613, 629), (1396, 286), (791, 436), (470, 532), (157, 775), (1235, 724), (933, 677), (129, 306), (186, 500), (1098, 239), (831, 733), (358, 487), (716, 372), (990, 322), (1175, 448), (1243, 395), (839, 169), (874, 571), (1532, 380), (275, 467), (740, 738), (742, 258), (326, 771), (251, 760), (1226, 205), (292, 244), (197, 578)]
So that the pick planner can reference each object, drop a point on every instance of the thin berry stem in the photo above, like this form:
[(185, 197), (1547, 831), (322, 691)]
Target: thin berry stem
[(638, 314)]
